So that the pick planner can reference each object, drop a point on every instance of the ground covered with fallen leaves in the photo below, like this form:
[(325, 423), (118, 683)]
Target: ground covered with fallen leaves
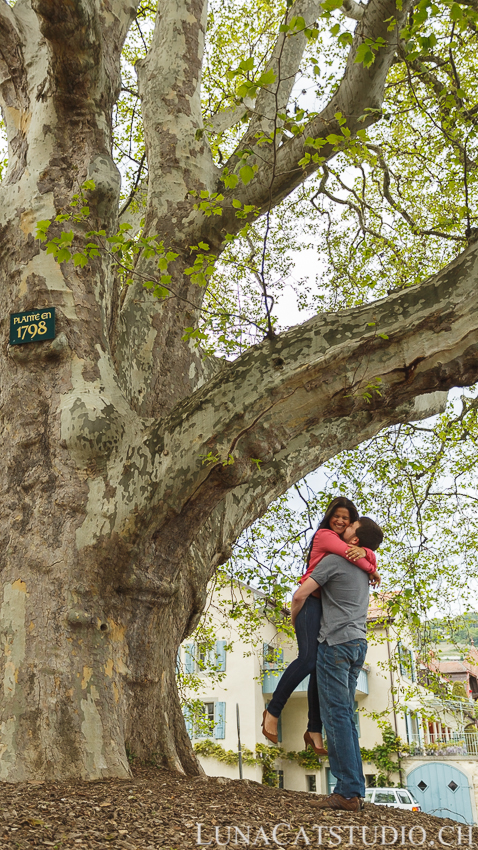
[(158, 809)]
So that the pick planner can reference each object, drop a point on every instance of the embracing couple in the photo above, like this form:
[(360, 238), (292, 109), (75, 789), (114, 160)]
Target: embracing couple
[(329, 613)]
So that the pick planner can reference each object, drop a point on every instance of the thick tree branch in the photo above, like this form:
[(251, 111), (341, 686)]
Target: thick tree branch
[(227, 118), (13, 91), (290, 404), (121, 11), (248, 502), (85, 39), (285, 62), (179, 158), (179, 163), (358, 98), (73, 33), (353, 10)]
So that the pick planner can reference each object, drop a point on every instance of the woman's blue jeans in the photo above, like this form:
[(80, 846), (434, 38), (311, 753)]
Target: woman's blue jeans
[(307, 626), (338, 668)]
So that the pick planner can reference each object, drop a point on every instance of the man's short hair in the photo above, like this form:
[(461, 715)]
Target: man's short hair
[(370, 534)]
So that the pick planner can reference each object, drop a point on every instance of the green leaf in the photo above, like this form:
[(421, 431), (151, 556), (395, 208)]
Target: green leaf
[(230, 181), (345, 39), (41, 229), (160, 292), (267, 78), (63, 256), (331, 5), (364, 56), (247, 64), (246, 174), (80, 259)]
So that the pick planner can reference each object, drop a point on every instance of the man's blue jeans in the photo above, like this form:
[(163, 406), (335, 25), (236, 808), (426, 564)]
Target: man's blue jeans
[(338, 668)]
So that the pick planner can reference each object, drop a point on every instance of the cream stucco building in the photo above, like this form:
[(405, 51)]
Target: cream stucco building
[(440, 760)]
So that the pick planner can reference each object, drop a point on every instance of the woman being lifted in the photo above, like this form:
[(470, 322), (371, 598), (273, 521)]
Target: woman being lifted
[(340, 513)]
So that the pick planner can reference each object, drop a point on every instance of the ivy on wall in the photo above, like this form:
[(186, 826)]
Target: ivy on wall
[(264, 757), (386, 756)]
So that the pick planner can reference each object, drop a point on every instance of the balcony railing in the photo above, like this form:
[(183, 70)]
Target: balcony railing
[(454, 744), (272, 679)]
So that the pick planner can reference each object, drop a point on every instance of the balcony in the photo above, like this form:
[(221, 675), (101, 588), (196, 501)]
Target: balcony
[(455, 744), (272, 679)]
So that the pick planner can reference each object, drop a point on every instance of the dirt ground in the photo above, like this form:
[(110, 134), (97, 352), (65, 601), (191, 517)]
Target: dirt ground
[(158, 809)]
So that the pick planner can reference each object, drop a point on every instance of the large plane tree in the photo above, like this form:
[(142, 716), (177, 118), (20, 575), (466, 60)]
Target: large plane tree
[(132, 457)]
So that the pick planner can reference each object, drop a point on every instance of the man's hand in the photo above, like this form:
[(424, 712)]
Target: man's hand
[(354, 552), (375, 579)]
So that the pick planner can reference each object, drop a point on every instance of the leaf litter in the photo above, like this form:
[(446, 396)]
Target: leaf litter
[(160, 810)]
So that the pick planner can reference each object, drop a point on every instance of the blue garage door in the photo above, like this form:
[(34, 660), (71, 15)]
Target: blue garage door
[(442, 790)]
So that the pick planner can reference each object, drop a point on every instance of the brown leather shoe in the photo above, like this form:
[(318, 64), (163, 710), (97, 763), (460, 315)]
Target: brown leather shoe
[(336, 801)]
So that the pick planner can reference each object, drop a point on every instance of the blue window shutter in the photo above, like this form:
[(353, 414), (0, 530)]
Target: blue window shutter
[(357, 717), (220, 720), (401, 665), (408, 725), (265, 655), (189, 657), (280, 656), (188, 721), (221, 655), (414, 667)]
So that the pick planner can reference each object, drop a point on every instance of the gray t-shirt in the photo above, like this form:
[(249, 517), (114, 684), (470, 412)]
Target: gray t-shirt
[(344, 591)]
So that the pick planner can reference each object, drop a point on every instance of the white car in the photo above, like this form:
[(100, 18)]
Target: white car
[(394, 798)]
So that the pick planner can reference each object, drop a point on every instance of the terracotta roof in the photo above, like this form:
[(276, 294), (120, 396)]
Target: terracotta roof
[(451, 666), (377, 608)]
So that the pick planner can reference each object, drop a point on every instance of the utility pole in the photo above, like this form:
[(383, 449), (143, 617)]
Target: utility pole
[(239, 749)]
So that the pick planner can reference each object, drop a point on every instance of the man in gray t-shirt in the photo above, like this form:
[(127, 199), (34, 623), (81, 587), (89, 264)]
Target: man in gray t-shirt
[(344, 593), (341, 653)]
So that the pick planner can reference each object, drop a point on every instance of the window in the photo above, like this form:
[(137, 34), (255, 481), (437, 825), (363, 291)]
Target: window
[(406, 662), (207, 719), (403, 797), (208, 722), (272, 657), (311, 782), (357, 717), (385, 797), (280, 778), (201, 658)]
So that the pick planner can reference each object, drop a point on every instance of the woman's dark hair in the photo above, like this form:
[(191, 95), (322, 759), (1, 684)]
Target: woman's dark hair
[(339, 502)]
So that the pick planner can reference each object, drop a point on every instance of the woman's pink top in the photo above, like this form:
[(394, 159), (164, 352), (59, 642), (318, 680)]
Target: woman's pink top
[(327, 542)]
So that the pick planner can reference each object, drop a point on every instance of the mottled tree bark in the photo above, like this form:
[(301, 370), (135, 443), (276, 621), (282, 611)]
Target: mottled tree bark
[(111, 524)]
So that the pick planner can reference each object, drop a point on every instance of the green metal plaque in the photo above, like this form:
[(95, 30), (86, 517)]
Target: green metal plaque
[(32, 326)]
